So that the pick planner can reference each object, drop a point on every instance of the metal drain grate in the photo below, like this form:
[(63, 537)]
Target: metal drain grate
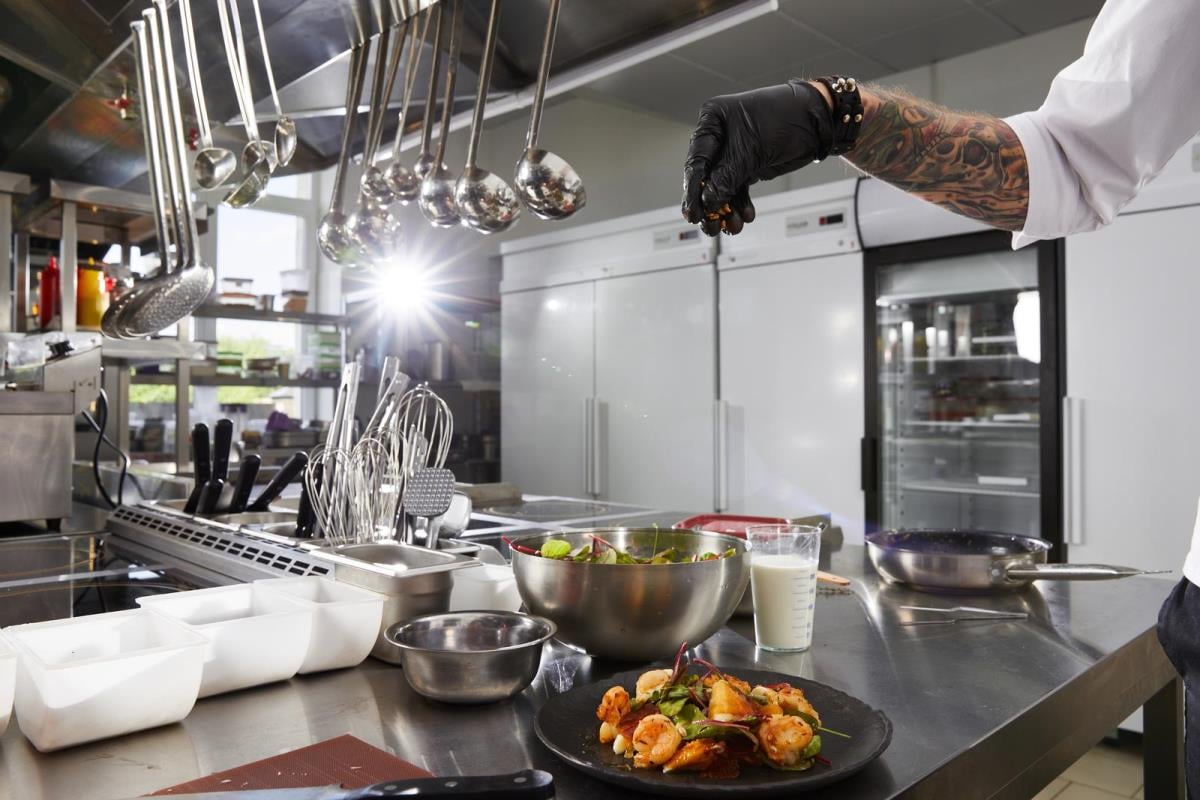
[(223, 550)]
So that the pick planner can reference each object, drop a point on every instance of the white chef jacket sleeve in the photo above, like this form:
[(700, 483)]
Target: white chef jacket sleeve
[(1113, 118)]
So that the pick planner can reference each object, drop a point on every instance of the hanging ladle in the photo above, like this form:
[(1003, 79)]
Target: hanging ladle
[(485, 201), (404, 182), (374, 184), (257, 148), (370, 224), (254, 182), (332, 237), (175, 295), (437, 188), (213, 165), (111, 323), (546, 184), (285, 126), (425, 157)]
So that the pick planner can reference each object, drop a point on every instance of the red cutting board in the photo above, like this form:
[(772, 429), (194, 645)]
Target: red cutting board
[(345, 761)]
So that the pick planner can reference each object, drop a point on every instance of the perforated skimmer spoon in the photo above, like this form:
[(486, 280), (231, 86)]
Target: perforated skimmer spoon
[(175, 294), (437, 187), (546, 183), (285, 126), (213, 165), (485, 201), (332, 236)]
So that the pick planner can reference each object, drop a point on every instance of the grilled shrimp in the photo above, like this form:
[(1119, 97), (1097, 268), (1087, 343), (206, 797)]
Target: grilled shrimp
[(696, 756), (737, 683), (769, 698), (649, 681), (655, 741), (792, 700), (613, 706), (783, 739), (726, 703)]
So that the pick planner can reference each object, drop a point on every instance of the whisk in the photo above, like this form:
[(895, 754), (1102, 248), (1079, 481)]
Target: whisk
[(425, 421)]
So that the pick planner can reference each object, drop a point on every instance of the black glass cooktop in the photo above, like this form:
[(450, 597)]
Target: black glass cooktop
[(51, 577)]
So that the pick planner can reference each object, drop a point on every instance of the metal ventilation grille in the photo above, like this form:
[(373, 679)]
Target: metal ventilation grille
[(280, 557)]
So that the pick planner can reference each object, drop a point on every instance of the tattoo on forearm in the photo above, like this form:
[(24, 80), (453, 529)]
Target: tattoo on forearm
[(972, 164)]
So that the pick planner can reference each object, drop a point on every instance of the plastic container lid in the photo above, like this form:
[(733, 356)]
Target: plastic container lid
[(254, 636)]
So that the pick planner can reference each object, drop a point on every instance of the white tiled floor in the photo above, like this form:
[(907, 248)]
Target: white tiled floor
[(1107, 772)]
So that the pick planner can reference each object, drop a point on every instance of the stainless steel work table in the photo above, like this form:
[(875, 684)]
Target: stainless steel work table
[(981, 710)]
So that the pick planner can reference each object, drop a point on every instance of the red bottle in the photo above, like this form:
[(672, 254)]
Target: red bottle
[(49, 294)]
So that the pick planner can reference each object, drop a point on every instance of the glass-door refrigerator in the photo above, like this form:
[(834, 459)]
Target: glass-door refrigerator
[(964, 358)]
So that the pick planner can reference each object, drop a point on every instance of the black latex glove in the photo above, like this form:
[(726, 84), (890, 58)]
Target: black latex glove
[(748, 137)]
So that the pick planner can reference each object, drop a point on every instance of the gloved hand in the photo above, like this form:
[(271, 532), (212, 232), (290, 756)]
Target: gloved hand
[(748, 137)]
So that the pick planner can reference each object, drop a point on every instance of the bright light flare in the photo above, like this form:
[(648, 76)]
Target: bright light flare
[(403, 287)]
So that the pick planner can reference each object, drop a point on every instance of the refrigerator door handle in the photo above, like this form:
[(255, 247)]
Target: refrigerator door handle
[(1072, 425), (721, 462), (597, 434), (589, 421)]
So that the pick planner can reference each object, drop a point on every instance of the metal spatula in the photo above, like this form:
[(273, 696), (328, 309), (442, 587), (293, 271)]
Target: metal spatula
[(427, 495)]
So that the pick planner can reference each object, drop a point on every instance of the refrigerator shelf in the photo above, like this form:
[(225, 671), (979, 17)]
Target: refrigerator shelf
[(966, 441), (991, 357), (1015, 426), (946, 487)]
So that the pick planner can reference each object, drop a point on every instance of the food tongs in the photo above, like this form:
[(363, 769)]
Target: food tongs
[(961, 614)]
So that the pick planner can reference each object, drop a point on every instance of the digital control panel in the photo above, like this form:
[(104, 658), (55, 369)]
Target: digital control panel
[(815, 221)]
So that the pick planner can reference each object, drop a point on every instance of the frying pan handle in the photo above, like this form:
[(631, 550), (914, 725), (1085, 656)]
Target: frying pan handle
[(1075, 572)]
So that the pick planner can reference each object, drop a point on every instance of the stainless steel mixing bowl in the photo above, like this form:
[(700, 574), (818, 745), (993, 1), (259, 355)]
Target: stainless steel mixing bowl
[(634, 612), (471, 656)]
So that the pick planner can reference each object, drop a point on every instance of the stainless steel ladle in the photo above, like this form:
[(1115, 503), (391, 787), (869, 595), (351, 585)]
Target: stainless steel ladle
[(404, 182), (212, 165), (485, 201), (425, 157), (437, 187), (374, 184), (257, 148), (370, 224), (285, 126), (256, 175), (547, 184), (332, 236), (176, 294)]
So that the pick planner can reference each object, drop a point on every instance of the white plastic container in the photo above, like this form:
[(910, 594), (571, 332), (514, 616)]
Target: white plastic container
[(487, 587), (346, 620), (103, 675), (254, 636), (8, 681)]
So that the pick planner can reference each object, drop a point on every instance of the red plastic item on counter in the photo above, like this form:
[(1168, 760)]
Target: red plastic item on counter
[(49, 294), (731, 524)]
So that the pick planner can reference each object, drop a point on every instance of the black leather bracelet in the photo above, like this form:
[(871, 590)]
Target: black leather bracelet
[(846, 114)]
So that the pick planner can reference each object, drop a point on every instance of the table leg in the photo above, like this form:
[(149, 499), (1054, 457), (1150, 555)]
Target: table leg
[(1163, 765)]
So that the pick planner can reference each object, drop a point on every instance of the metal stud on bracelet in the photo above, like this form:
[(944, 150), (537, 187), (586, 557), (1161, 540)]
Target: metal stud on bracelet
[(846, 113)]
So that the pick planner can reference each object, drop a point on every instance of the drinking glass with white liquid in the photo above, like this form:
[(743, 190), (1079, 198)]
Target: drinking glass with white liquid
[(783, 578)]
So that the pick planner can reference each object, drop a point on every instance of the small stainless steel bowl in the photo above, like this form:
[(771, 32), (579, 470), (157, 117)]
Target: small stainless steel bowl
[(471, 657)]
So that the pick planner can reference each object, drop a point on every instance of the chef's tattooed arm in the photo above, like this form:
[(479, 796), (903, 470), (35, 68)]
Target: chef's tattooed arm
[(972, 164)]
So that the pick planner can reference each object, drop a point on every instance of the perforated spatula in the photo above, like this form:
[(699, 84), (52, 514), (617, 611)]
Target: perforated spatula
[(427, 495)]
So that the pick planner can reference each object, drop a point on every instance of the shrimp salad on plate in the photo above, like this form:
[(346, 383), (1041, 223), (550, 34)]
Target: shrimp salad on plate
[(712, 723)]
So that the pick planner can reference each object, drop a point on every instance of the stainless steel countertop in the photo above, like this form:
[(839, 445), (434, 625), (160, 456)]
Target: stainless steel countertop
[(981, 710)]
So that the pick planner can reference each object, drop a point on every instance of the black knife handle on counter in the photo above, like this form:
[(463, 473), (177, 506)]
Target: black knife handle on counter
[(247, 472), (306, 518), (209, 496), (222, 441), (201, 464), (529, 784), (293, 467)]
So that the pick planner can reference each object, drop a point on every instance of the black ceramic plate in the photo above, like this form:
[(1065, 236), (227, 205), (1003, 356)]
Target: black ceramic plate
[(567, 725)]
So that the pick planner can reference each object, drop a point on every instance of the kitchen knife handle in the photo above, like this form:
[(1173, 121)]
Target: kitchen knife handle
[(245, 482), (209, 496), (222, 441), (202, 464), (294, 466), (529, 784)]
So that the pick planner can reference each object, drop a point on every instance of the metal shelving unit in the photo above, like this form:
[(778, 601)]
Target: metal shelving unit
[(215, 311), (168, 379)]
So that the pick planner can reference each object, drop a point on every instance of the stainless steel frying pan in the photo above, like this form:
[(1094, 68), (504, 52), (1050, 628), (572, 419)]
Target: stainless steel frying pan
[(941, 560)]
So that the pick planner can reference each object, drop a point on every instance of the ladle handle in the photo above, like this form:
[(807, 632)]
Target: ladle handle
[(358, 72), (392, 70), (262, 39), (235, 67), (376, 98), (485, 79), (145, 77), (410, 79), (539, 93), (451, 78), (244, 68), (427, 122), (170, 164), (173, 131), (193, 64)]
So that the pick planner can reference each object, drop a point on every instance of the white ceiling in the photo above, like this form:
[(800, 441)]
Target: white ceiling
[(864, 38)]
